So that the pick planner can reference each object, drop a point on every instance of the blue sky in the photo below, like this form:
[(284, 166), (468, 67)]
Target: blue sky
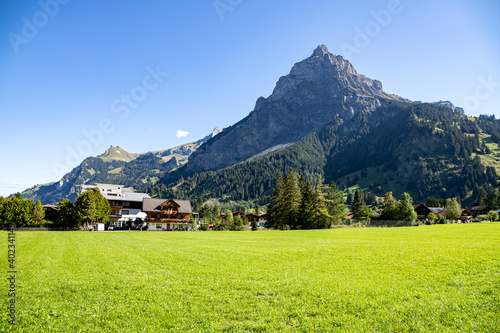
[(78, 76)]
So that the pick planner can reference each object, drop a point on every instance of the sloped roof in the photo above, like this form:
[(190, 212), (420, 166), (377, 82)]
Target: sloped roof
[(479, 208), (436, 210), (153, 205)]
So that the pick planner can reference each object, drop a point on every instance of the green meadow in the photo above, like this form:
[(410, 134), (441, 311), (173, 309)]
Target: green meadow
[(439, 278)]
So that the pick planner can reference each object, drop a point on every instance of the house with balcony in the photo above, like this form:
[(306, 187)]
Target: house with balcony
[(169, 214), (125, 204)]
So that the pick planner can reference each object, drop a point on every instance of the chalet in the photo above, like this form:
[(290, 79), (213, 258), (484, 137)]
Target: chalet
[(480, 210), (50, 212), (466, 215), (125, 204), (437, 210), (262, 220), (251, 218), (422, 211), (168, 214)]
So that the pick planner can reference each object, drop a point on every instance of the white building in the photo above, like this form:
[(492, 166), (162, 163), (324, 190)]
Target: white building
[(125, 204)]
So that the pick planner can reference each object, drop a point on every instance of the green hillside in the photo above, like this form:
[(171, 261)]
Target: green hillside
[(422, 149), (117, 154)]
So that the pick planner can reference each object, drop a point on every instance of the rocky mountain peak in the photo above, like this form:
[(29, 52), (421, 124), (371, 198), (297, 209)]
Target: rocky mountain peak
[(319, 89), (320, 51)]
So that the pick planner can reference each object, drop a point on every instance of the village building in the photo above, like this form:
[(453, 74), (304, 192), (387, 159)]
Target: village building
[(50, 212), (466, 215), (169, 214), (480, 210), (125, 204), (422, 211), (261, 219)]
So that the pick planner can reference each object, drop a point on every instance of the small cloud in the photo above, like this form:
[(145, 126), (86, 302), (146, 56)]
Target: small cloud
[(181, 134)]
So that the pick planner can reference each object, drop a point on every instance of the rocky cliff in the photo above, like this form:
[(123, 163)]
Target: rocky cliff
[(319, 89)]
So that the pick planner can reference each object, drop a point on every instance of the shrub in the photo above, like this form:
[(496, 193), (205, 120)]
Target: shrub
[(493, 216), (204, 227), (483, 218)]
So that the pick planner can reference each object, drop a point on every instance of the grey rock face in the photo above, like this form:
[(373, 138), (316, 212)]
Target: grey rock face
[(318, 89)]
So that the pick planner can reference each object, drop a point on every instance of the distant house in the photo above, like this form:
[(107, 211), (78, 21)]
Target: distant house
[(168, 214), (480, 210), (50, 212), (125, 204), (251, 218), (261, 219), (466, 215), (437, 210), (422, 211)]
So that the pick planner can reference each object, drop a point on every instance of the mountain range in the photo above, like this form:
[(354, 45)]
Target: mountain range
[(322, 118)]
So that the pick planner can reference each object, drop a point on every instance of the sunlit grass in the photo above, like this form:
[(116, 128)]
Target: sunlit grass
[(442, 278)]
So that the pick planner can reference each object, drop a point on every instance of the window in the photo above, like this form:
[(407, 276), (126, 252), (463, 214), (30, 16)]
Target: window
[(125, 212), (126, 204), (158, 226)]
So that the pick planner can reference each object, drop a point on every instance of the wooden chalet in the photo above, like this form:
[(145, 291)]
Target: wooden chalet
[(480, 210), (50, 212), (422, 211), (466, 215), (168, 214)]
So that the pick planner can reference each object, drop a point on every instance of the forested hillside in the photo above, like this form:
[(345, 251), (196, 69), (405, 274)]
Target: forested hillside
[(423, 149)]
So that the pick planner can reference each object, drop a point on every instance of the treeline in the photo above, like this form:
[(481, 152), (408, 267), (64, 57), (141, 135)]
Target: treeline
[(24, 213), (90, 207), (296, 204)]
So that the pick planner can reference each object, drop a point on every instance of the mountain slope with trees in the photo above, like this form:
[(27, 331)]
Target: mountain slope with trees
[(422, 149)]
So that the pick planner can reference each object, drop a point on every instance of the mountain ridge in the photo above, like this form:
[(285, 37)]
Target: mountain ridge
[(117, 166), (321, 118)]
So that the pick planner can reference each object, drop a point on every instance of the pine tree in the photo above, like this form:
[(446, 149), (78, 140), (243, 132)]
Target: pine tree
[(321, 216), (335, 204), (198, 205), (481, 197), (359, 208), (494, 199), (291, 199), (254, 225), (305, 214)]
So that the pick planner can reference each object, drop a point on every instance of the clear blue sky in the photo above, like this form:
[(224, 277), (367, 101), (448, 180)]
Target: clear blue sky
[(65, 69)]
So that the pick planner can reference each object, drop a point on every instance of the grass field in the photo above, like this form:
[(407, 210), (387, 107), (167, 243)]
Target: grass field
[(440, 278)]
